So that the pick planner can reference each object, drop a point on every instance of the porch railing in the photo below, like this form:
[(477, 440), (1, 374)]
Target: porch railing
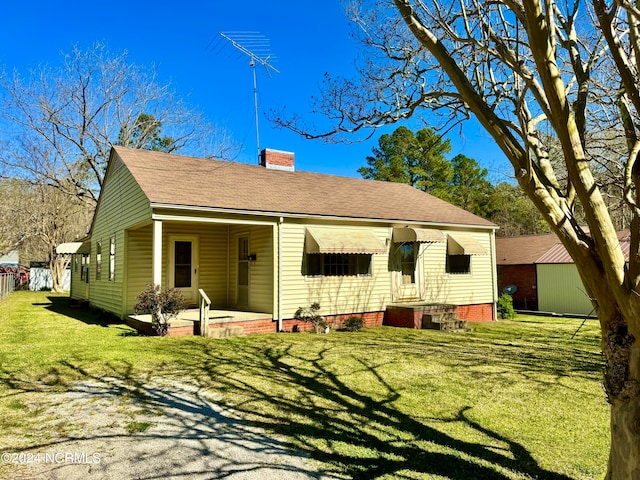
[(205, 305), (7, 284)]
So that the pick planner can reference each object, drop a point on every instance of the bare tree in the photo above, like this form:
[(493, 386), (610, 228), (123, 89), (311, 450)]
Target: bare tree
[(60, 122), (38, 218), (528, 71)]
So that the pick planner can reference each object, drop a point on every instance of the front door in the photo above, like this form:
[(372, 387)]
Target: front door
[(242, 299), (406, 274), (184, 266)]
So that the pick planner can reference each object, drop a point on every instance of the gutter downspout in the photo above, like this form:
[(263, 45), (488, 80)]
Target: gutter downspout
[(280, 274)]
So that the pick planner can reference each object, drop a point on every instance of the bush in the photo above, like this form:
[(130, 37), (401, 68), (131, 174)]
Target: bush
[(353, 324), (310, 314), (505, 307), (162, 305)]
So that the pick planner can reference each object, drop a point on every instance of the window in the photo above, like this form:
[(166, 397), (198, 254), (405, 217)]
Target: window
[(84, 268), (98, 259), (458, 264), (337, 264), (182, 258), (112, 259)]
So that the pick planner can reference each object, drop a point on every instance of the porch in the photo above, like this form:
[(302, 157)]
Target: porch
[(222, 323)]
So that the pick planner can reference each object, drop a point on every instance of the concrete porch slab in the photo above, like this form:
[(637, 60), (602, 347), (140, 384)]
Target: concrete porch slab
[(231, 322)]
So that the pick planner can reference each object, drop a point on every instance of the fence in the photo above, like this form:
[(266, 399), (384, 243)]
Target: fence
[(7, 284)]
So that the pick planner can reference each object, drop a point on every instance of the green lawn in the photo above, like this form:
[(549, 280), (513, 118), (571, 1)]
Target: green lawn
[(509, 400)]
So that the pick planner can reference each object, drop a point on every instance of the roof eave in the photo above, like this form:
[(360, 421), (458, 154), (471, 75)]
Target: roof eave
[(397, 221)]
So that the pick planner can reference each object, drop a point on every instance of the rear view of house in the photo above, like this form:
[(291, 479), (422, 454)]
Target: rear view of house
[(269, 239)]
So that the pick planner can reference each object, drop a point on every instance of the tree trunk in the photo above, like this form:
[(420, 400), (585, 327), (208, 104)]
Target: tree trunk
[(57, 267), (622, 384), (624, 456)]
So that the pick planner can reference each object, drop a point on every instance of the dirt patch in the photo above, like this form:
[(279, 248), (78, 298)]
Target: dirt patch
[(110, 429)]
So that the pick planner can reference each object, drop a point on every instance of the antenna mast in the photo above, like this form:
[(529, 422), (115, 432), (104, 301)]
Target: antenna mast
[(256, 47)]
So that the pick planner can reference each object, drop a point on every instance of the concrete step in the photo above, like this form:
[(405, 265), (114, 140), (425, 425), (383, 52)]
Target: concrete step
[(225, 332), (446, 321)]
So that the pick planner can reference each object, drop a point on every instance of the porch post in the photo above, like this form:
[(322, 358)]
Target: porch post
[(494, 274), (279, 296), (157, 253)]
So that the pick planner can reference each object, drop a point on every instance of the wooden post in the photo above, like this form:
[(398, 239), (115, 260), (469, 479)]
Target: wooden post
[(205, 304), (157, 253)]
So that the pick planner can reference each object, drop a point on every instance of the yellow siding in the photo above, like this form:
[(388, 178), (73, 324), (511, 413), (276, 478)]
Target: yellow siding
[(122, 204), (348, 294), (217, 275), (79, 289), (560, 290), (139, 266), (336, 295), (459, 289)]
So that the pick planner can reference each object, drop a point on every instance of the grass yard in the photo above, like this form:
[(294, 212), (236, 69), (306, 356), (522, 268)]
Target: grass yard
[(511, 400)]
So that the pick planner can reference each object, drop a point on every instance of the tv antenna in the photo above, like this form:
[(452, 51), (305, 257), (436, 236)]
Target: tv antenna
[(256, 47)]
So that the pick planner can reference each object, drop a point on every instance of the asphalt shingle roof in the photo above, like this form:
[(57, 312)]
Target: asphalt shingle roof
[(196, 182)]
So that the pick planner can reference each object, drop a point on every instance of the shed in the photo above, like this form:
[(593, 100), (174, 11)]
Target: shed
[(516, 264), (544, 273)]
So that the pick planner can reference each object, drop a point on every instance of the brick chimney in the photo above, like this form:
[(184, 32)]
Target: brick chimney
[(277, 159)]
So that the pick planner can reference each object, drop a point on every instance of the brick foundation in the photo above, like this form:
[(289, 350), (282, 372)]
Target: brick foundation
[(407, 317), (371, 319), (410, 316), (482, 312)]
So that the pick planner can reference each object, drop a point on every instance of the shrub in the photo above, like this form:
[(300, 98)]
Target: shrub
[(310, 314), (162, 305), (505, 307), (353, 324)]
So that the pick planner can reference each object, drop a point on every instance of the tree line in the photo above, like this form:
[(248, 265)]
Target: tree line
[(420, 159)]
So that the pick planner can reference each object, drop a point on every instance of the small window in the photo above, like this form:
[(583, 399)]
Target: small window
[(99, 260), (112, 259), (458, 264), (337, 264), (84, 268)]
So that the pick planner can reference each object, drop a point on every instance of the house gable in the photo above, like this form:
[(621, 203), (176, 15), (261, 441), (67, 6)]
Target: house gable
[(122, 204)]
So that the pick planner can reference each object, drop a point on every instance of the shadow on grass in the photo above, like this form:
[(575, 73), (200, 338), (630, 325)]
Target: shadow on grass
[(157, 429), (357, 434), (187, 433), (63, 305), (294, 390), (91, 316)]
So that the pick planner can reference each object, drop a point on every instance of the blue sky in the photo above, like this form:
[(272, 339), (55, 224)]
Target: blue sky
[(307, 39)]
